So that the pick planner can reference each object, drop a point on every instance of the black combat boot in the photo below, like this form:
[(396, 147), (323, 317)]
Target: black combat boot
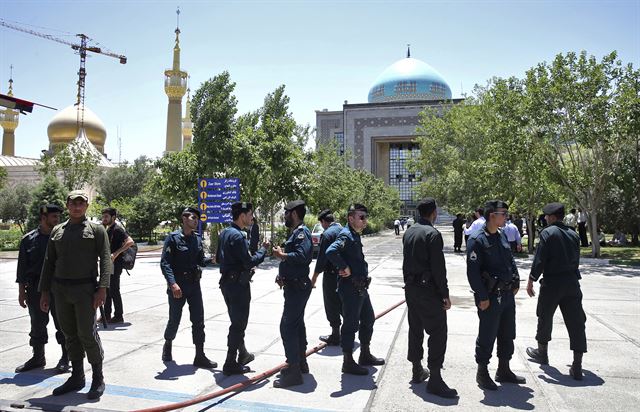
[(36, 361), (419, 374), (201, 360), (576, 368), (289, 376), (437, 386), (539, 355), (334, 338), (97, 382), (231, 367), (304, 365), (367, 359), (75, 381), (350, 366), (504, 373), (166, 351), (63, 363), (244, 357), (484, 380)]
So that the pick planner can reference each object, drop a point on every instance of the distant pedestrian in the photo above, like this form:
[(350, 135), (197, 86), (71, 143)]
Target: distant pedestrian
[(557, 259), (582, 228), (478, 223), (570, 220), (396, 226), (254, 236), (458, 230), (513, 236)]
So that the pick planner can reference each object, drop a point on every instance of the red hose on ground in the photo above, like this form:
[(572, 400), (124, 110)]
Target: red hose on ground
[(238, 387)]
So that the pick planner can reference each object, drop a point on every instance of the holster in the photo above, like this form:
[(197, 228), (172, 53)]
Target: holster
[(361, 284), (489, 281), (193, 275)]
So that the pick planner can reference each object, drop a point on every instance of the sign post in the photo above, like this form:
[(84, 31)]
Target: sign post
[(215, 197)]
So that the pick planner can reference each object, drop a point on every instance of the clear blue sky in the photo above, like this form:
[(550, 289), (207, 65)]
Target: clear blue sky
[(325, 52)]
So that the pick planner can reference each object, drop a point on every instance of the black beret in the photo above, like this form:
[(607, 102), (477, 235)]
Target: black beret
[(294, 204), (553, 209), (191, 210), (496, 204), (44, 209), (241, 206), (357, 207), (324, 214)]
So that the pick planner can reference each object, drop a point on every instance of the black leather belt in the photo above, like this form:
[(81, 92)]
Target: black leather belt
[(80, 281)]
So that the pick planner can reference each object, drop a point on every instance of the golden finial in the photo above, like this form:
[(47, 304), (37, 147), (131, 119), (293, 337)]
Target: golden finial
[(10, 93)]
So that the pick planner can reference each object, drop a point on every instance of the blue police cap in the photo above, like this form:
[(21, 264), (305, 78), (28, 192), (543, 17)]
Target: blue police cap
[(294, 204), (192, 210), (324, 214), (357, 207), (555, 208)]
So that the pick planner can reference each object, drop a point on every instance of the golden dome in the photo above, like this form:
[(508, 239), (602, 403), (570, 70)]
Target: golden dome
[(63, 128)]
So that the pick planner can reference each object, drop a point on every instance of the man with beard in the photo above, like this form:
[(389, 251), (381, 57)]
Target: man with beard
[(293, 277)]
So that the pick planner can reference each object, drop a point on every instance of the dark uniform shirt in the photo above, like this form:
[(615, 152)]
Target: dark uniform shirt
[(299, 250), (182, 254), (33, 248), (423, 257), (458, 225), (347, 251), (326, 239), (557, 254), (489, 253), (232, 253), (73, 251)]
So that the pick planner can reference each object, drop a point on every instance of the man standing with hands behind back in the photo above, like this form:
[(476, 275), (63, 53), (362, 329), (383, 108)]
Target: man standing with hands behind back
[(69, 272), (427, 295)]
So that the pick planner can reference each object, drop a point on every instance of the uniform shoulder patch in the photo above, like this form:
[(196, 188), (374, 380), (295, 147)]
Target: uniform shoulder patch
[(473, 257), (301, 235)]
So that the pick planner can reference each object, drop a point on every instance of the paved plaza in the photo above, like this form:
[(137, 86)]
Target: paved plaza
[(137, 378)]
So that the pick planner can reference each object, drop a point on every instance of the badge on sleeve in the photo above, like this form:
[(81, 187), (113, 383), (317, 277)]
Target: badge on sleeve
[(473, 257), (301, 235)]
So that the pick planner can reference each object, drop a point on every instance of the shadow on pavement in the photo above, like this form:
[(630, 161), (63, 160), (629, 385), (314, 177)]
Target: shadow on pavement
[(420, 389), (173, 371), (335, 350), (609, 270), (351, 383), (29, 379), (114, 327), (50, 402), (554, 376), (509, 395)]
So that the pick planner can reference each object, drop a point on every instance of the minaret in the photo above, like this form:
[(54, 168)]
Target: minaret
[(187, 126), (175, 85), (9, 122)]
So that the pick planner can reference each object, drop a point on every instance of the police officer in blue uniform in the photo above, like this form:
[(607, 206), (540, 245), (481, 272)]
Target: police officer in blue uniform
[(33, 247), (182, 257), (357, 313), (557, 257), (293, 276), (493, 276), (236, 269), (332, 305)]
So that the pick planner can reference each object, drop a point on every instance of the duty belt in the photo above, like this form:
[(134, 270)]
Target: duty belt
[(361, 284), (190, 276), (243, 277), (80, 281), (420, 280)]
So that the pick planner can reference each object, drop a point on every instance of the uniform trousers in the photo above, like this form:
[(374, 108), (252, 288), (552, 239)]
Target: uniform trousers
[(39, 319), (77, 319), (426, 314), (292, 328), (357, 315), (192, 295), (563, 292), (457, 239), (332, 303), (113, 293), (238, 299), (498, 321)]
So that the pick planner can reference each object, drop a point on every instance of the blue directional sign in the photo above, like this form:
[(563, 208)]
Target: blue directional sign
[(215, 197)]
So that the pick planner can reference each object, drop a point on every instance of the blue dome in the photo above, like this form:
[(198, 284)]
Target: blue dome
[(408, 80)]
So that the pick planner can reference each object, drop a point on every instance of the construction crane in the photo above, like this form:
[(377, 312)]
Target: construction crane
[(82, 50)]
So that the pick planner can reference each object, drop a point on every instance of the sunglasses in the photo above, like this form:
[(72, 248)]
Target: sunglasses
[(500, 213)]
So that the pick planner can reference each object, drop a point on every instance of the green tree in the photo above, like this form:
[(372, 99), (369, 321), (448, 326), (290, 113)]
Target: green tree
[(48, 191), (14, 203), (146, 214), (125, 181), (77, 164), (4, 176), (580, 111)]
